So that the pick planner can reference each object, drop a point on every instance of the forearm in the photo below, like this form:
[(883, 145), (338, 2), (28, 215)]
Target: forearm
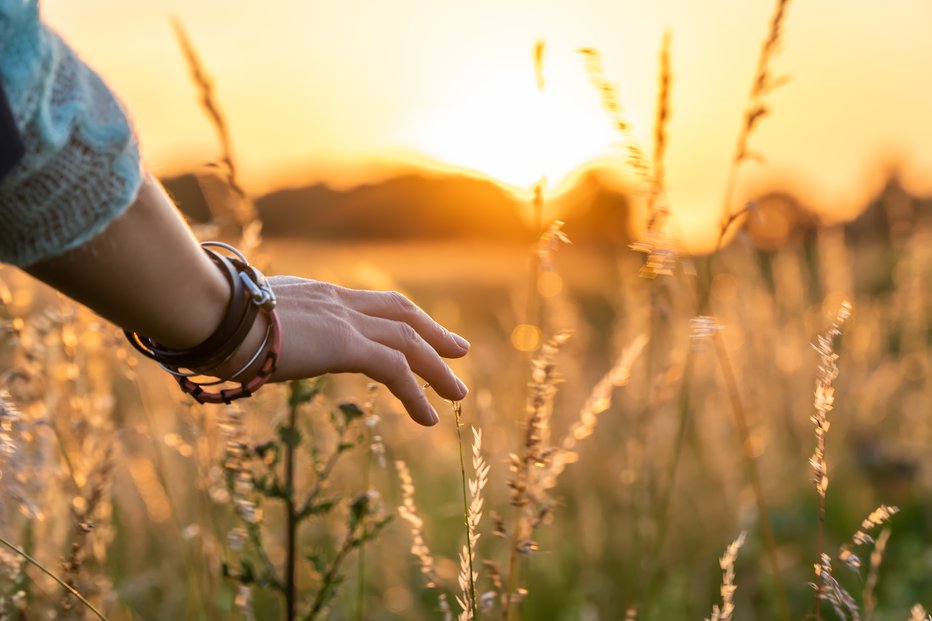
[(145, 272)]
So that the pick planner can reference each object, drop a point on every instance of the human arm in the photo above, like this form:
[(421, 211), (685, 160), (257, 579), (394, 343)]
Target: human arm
[(79, 212), (146, 272)]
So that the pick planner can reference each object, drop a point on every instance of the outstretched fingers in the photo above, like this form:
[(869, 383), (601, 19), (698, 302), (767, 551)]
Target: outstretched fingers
[(390, 367), (395, 306), (420, 356)]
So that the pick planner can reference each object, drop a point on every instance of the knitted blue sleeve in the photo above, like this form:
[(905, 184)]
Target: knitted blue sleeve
[(81, 168)]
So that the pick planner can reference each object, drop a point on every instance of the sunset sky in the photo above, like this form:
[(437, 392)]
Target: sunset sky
[(321, 90)]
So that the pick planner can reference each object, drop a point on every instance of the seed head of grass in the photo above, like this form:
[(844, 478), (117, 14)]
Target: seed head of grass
[(468, 573), (611, 102), (763, 83), (728, 588), (656, 241), (828, 589), (9, 417), (419, 549), (824, 400), (877, 517), (918, 613)]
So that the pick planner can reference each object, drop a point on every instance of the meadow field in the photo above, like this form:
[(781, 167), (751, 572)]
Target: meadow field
[(649, 435), (143, 502)]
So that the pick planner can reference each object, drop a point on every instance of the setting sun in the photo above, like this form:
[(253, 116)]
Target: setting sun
[(515, 133)]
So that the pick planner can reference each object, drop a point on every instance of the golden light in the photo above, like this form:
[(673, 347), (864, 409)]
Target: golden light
[(525, 337), (414, 77), (512, 132)]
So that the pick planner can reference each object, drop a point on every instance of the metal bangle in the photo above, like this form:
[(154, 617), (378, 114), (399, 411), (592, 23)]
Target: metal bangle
[(259, 289), (243, 369), (255, 356)]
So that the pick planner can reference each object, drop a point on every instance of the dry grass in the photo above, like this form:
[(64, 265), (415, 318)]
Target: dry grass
[(727, 591), (187, 521)]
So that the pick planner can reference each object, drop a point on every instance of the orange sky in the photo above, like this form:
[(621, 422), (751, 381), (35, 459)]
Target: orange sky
[(318, 90)]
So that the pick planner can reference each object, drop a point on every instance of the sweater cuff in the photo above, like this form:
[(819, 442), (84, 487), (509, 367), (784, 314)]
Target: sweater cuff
[(81, 168)]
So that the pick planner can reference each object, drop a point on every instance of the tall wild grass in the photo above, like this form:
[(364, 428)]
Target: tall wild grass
[(680, 404)]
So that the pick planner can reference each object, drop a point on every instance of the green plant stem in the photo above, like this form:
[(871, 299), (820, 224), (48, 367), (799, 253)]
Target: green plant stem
[(322, 475), (291, 535), (361, 586), (458, 410), (22, 554), (329, 578), (254, 533), (508, 612), (820, 546), (741, 422)]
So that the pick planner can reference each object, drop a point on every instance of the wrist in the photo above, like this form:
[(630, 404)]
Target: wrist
[(242, 350), (247, 359)]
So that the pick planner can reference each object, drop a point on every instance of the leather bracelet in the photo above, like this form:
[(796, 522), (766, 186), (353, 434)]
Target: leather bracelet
[(250, 293), (272, 346), (222, 342), (220, 346), (177, 372)]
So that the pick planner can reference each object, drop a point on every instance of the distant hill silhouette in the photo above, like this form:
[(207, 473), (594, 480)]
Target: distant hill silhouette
[(416, 206), (406, 207), (594, 215), (413, 206)]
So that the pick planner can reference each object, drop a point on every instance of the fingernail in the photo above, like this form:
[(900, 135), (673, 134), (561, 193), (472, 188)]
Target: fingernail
[(463, 343), (462, 387), (434, 419)]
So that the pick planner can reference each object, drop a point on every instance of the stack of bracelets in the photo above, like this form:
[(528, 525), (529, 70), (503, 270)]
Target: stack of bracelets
[(251, 293)]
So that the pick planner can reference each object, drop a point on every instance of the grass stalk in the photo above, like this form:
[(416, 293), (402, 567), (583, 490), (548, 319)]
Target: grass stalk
[(870, 585), (762, 84), (820, 546), (824, 402), (371, 438), (750, 463), (663, 515), (361, 581), (291, 516), (22, 554), (509, 612), (458, 420), (534, 311), (205, 87)]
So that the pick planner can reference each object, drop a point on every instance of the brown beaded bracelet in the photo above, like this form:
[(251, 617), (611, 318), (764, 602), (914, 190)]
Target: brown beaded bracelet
[(250, 294)]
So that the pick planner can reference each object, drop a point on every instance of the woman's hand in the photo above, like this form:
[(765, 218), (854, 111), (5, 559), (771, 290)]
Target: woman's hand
[(331, 329)]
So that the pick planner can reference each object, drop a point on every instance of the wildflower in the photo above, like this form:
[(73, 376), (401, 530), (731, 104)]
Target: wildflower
[(419, 549)]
